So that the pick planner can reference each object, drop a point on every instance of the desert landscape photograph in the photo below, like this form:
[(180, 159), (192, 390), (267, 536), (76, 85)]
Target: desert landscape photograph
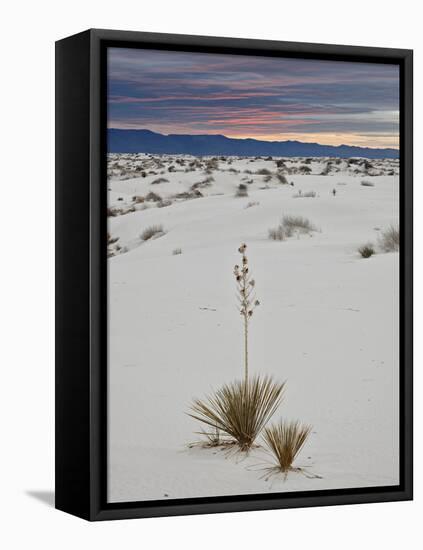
[(253, 274)]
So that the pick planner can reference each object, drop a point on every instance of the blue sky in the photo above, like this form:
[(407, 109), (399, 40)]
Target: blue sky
[(266, 98)]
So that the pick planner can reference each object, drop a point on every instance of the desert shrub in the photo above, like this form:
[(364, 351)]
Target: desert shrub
[(159, 180), (207, 182), (278, 233), (151, 231), (264, 172), (280, 163), (153, 197), (284, 441), (138, 199), (252, 203), (299, 223), (366, 183), (212, 164), (112, 212), (240, 409), (288, 225), (326, 170), (171, 169), (304, 169), (281, 178), (266, 179), (389, 239), (163, 203), (242, 190), (366, 250), (111, 240), (193, 194), (176, 251), (306, 195)]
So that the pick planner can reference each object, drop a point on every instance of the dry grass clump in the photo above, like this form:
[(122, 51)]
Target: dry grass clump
[(177, 251), (306, 195), (252, 203), (297, 223), (278, 233), (152, 231), (390, 239), (240, 409), (366, 250), (284, 441), (289, 225), (366, 183)]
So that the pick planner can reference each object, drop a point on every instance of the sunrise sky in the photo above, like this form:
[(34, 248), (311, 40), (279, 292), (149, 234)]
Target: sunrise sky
[(272, 99)]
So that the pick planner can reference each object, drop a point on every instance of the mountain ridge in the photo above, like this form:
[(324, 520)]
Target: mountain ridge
[(147, 141)]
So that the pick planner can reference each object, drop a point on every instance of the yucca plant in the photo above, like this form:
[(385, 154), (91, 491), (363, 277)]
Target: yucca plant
[(240, 409), (284, 441), (246, 298)]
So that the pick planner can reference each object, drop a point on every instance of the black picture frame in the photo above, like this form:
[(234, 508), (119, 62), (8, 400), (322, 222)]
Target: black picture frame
[(81, 275)]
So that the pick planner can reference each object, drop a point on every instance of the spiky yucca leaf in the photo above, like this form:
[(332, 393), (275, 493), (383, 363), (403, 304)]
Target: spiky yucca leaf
[(285, 440), (240, 409)]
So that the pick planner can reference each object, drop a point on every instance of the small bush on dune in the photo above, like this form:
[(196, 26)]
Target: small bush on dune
[(138, 199), (241, 409), (288, 225), (299, 223), (177, 251), (306, 195), (164, 203), (264, 172), (242, 190), (153, 197), (304, 169), (390, 239), (281, 178), (366, 250), (252, 203), (366, 183), (277, 234), (151, 231), (284, 441)]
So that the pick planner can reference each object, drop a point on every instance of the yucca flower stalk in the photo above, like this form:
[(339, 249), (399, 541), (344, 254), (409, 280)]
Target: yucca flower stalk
[(246, 298)]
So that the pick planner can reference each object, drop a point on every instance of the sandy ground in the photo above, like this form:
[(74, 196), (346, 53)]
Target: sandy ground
[(327, 324)]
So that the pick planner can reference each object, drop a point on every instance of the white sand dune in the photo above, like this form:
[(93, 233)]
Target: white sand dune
[(328, 324)]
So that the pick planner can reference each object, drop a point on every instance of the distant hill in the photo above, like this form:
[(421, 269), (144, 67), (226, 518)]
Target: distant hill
[(145, 141)]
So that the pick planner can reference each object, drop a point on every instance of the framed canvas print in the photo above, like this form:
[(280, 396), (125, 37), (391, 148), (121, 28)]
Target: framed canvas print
[(234, 274)]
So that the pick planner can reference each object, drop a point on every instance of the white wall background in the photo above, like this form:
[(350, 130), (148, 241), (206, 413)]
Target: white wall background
[(28, 32)]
